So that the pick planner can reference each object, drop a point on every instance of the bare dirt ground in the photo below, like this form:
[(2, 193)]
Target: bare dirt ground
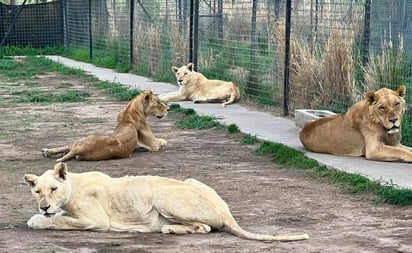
[(263, 197)]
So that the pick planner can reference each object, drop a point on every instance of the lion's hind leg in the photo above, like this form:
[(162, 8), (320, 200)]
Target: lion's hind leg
[(193, 228), (72, 153), (55, 151)]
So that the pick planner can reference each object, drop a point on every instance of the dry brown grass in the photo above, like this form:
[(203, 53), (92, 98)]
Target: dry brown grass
[(179, 46), (385, 68), (319, 77), (155, 50)]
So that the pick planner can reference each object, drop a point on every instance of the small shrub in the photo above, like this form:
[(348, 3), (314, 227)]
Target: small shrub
[(198, 122), (117, 90), (249, 139), (233, 128), (286, 156), (178, 109)]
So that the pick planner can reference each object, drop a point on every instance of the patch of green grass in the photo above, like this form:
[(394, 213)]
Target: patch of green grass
[(249, 139), (79, 54), (193, 120), (44, 97), (44, 65), (17, 51), (285, 156), (117, 90), (391, 194), (351, 182), (14, 70), (178, 109), (233, 128), (198, 122)]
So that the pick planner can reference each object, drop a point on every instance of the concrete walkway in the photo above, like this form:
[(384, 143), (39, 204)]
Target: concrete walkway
[(264, 125)]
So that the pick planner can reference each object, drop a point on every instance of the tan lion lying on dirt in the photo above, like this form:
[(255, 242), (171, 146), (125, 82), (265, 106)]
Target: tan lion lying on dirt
[(196, 87), (131, 132), (147, 204), (370, 128)]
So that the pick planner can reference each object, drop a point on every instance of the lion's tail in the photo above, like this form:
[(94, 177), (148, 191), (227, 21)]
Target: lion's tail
[(238, 231), (234, 96)]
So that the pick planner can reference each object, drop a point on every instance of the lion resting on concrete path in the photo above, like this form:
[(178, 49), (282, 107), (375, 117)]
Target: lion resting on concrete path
[(131, 132), (196, 87), (370, 128), (147, 204)]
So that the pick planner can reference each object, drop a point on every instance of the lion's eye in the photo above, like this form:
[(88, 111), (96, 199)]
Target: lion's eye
[(53, 189), (381, 108), (37, 191), (397, 104)]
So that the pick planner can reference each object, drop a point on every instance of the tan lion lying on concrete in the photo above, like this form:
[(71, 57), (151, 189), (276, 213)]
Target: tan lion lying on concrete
[(370, 128), (147, 204), (131, 132), (196, 87)]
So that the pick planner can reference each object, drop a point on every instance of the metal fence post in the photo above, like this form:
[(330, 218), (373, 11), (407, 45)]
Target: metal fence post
[(287, 58), (131, 32), (366, 33), (194, 31), (252, 85), (90, 31)]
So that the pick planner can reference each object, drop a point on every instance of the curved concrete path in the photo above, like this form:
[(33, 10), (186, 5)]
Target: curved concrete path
[(264, 125)]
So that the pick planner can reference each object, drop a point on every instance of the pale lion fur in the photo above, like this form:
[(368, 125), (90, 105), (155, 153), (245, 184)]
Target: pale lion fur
[(131, 132), (146, 204), (194, 86), (370, 128)]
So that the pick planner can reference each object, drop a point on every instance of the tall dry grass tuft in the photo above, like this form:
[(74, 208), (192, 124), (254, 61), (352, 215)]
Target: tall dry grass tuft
[(303, 66), (179, 45), (337, 69), (385, 69), (138, 41), (318, 77), (155, 50)]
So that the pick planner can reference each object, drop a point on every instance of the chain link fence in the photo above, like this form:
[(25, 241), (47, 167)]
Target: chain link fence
[(33, 25), (337, 49)]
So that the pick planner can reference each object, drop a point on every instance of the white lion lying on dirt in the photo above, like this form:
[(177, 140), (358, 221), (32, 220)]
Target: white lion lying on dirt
[(96, 201)]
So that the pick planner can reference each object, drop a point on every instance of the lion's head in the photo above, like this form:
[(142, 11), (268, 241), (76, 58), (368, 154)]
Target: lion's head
[(184, 73), (51, 189), (386, 107), (153, 105)]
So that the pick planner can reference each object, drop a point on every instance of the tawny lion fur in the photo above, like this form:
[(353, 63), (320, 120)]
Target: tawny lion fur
[(370, 128), (196, 87), (131, 132), (146, 204)]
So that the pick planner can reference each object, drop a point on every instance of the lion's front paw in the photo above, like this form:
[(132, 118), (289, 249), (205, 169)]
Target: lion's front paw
[(45, 152), (163, 142), (37, 221)]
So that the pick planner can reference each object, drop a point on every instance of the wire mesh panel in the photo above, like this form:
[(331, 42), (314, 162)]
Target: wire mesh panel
[(76, 25), (325, 40), (236, 43), (161, 37), (110, 24), (31, 25)]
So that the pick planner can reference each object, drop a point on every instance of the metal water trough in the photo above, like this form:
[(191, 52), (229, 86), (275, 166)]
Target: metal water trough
[(304, 115)]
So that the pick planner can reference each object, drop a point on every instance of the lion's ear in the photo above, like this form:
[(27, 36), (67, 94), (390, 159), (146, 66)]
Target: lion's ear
[(147, 97), (148, 90), (175, 69), (30, 179), (60, 170), (191, 66), (370, 97), (401, 91)]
